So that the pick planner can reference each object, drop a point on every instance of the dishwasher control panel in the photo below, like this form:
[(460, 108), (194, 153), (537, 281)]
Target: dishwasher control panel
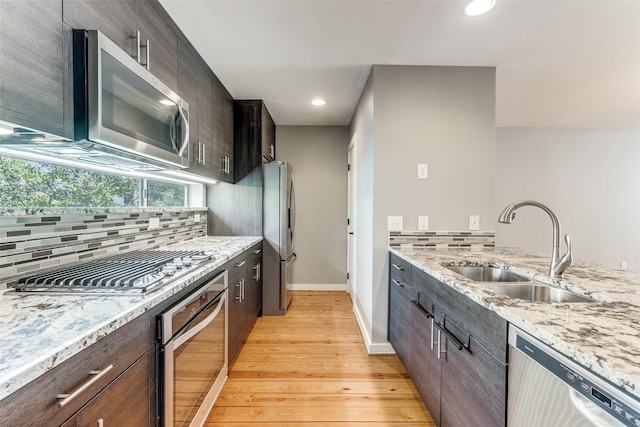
[(589, 391)]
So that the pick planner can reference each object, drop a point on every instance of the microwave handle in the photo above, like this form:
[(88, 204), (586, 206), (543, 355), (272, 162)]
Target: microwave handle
[(174, 131)]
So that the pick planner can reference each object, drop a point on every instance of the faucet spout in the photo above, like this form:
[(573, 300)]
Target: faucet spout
[(558, 264)]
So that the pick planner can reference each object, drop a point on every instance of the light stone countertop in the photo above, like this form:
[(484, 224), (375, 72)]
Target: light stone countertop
[(603, 336), (40, 331)]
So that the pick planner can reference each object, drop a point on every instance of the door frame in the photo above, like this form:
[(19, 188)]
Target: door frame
[(351, 215)]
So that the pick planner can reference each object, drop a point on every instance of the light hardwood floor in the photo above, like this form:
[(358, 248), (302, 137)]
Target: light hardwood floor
[(311, 368)]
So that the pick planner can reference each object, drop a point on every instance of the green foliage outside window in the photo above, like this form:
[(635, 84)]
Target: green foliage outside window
[(27, 184)]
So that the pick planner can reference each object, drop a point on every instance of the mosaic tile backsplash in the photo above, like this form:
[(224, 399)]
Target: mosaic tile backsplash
[(57, 237), (442, 239)]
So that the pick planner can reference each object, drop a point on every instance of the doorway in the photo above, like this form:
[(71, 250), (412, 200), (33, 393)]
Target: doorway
[(351, 215)]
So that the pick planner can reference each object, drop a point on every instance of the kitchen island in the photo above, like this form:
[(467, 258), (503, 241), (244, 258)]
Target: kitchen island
[(603, 336), (40, 331)]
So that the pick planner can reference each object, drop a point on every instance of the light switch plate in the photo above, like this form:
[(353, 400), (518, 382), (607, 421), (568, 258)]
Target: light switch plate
[(394, 223), (423, 222), (154, 223), (474, 222), (423, 171), (196, 217)]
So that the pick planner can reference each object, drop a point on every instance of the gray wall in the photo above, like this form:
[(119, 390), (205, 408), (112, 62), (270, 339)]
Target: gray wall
[(589, 177), (318, 155), (442, 116)]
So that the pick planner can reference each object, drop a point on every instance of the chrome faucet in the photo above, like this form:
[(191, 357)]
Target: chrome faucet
[(558, 264)]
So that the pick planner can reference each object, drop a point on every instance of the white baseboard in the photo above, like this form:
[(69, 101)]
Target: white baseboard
[(372, 348), (318, 287)]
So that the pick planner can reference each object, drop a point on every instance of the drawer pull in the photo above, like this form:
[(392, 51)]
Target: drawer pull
[(423, 310), (449, 334), (397, 283), (397, 267), (257, 251), (66, 398), (240, 264)]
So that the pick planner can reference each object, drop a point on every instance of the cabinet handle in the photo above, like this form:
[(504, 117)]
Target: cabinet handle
[(257, 275), (449, 334), (423, 310), (397, 267), (100, 423), (240, 264), (257, 251), (239, 291), (440, 352), (242, 281), (137, 37), (432, 334), (397, 283), (204, 155), (66, 398), (148, 63)]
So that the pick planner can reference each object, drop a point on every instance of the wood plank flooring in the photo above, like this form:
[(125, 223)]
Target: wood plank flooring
[(311, 368)]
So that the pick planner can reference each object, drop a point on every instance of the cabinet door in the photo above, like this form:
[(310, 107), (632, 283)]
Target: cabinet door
[(400, 319), (237, 305), (188, 65), (116, 19), (31, 65), (220, 160), (268, 136), (205, 126), (473, 387), (425, 365), (163, 44), (255, 285), (125, 402), (227, 135)]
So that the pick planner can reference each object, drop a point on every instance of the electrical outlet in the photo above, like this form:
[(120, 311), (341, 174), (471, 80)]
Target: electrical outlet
[(154, 223), (623, 265), (474, 222), (394, 223), (423, 222), (423, 171), (196, 217)]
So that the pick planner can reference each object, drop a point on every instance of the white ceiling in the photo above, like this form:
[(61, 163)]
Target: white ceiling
[(560, 63)]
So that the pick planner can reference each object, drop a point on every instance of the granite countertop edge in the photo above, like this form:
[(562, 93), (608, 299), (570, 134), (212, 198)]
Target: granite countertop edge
[(591, 334), (27, 349)]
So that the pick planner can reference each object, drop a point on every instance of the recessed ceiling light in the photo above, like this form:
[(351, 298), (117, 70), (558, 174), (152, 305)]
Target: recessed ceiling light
[(167, 102), (5, 130), (318, 102), (478, 7)]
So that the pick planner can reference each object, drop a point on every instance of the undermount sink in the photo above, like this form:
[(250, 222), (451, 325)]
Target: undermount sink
[(479, 273), (537, 292), (514, 285)]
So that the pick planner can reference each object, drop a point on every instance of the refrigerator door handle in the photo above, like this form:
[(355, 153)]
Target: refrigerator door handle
[(292, 210)]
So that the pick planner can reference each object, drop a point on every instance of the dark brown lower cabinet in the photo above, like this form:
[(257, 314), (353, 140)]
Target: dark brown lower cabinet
[(456, 349), (473, 387), (124, 402), (424, 367), (245, 297)]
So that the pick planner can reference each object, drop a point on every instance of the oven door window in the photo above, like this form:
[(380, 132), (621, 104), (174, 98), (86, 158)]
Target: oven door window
[(198, 359)]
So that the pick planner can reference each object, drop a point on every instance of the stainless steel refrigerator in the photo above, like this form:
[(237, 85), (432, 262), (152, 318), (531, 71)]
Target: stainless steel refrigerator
[(279, 224)]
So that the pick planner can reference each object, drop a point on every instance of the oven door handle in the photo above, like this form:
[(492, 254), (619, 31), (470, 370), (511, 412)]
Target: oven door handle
[(178, 341)]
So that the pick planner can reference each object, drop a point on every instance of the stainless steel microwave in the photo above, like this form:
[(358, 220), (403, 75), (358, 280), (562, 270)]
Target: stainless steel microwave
[(122, 108)]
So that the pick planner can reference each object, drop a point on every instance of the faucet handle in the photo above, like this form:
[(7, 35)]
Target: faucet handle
[(566, 259)]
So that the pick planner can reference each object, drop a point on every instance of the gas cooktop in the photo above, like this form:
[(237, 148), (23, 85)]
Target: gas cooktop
[(135, 272)]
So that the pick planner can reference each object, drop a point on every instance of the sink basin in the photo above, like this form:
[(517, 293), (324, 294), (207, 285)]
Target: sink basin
[(480, 273), (515, 285), (537, 292)]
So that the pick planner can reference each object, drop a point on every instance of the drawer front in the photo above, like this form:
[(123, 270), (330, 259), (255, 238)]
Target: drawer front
[(484, 325), (399, 271), (36, 403)]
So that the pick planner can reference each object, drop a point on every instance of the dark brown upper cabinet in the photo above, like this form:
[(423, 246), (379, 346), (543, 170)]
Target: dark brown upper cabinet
[(254, 136), (32, 92)]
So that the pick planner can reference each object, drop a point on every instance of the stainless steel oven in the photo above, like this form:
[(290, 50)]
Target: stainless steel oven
[(193, 351)]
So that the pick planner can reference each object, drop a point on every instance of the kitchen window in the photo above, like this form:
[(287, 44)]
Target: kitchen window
[(29, 184)]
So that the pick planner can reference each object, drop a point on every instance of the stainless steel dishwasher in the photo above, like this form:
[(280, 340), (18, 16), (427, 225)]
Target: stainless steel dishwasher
[(548, 389)]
